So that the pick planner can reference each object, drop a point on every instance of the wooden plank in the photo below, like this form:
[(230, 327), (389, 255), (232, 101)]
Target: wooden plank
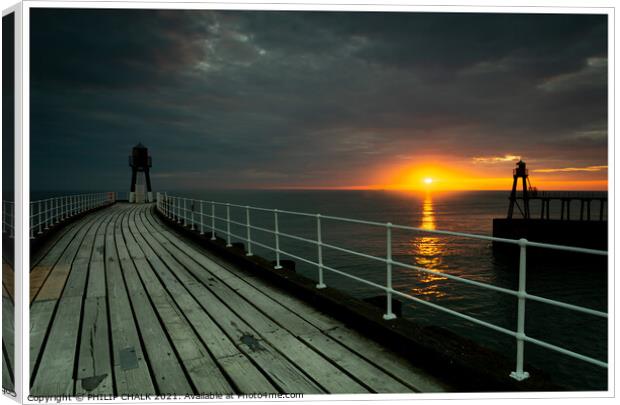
[(201, 368), (54, 375), (94, 371), (7, 374), (387, 360), (124, 332), (40, 316), (54, 283), (168, 374), (46, 250), (281, 371), (8, 340), (55, 371), (42, 269), (239, 369), (8, 280), (394, 374), (43, 303)]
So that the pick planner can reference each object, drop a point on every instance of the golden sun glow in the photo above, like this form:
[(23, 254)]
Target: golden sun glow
[(449, 175)]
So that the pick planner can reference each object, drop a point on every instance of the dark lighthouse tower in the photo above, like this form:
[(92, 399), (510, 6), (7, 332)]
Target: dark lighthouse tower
[(140, 162), (519, 173)]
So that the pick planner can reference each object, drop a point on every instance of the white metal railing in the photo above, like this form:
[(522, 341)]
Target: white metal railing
[(8, 218), (195, 215), (49, 212)]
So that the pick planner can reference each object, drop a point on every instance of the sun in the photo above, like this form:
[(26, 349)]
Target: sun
[(428, 180)]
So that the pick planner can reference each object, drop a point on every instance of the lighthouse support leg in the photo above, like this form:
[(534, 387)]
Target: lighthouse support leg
[(513, 197), (149, 192), (132, 193)]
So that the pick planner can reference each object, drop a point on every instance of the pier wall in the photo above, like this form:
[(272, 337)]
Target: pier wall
[(585, 234)]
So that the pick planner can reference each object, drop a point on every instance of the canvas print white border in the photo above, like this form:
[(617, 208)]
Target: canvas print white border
[(22, 155)]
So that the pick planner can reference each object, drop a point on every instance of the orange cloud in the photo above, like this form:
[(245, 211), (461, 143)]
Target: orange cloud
[(496, 159), (572, 169)]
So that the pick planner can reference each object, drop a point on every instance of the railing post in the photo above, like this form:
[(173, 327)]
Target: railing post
[(185, 218), (178, 204), (40, 217), (389, 314), (277, 236), (202, 217), (31, 221), (519, 374), (12, 221), (248, 229), (228, 244), (193, 215), (319, 243), (48, 213), (212, 220)]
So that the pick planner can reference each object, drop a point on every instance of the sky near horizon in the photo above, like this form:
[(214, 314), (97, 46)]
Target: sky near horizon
[(261, 99)]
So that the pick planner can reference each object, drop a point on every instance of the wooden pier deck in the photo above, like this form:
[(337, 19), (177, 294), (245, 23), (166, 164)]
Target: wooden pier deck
[(121, 304), (8, 328)]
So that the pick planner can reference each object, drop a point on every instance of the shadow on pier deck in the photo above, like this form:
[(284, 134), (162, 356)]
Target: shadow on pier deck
[(120, 304)]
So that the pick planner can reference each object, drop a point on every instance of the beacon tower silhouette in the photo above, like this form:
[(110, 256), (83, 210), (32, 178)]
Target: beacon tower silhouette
[(140, 163), (520, 172)]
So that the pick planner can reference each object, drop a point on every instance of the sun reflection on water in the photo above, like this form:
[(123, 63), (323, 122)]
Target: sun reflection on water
[(427, 250)]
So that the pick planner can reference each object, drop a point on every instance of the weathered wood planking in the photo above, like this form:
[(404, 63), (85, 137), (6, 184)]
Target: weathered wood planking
[(7, 372), (8, 341), (318, 368), (129, 377), (94, 370), (244, 375), (168, 374), (8, 280), (45, 301), (194, 357), (44, 250), (280, 324), (55, 372), (42, 267), (283, 372), (306, 322)]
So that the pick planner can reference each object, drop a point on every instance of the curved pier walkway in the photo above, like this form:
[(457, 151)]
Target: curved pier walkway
[(121, 304)]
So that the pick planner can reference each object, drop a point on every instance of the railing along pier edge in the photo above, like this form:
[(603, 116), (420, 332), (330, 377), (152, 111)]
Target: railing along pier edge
[(177, 209)]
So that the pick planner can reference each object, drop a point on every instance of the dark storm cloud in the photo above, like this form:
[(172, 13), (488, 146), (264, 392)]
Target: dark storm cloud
[(289, 98)]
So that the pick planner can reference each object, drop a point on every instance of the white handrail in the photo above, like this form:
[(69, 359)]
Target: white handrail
[(8, 218), (46, 213), (175, 208)]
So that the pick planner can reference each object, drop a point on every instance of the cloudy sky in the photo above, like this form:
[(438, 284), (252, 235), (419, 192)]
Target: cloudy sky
[(316, 99)]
